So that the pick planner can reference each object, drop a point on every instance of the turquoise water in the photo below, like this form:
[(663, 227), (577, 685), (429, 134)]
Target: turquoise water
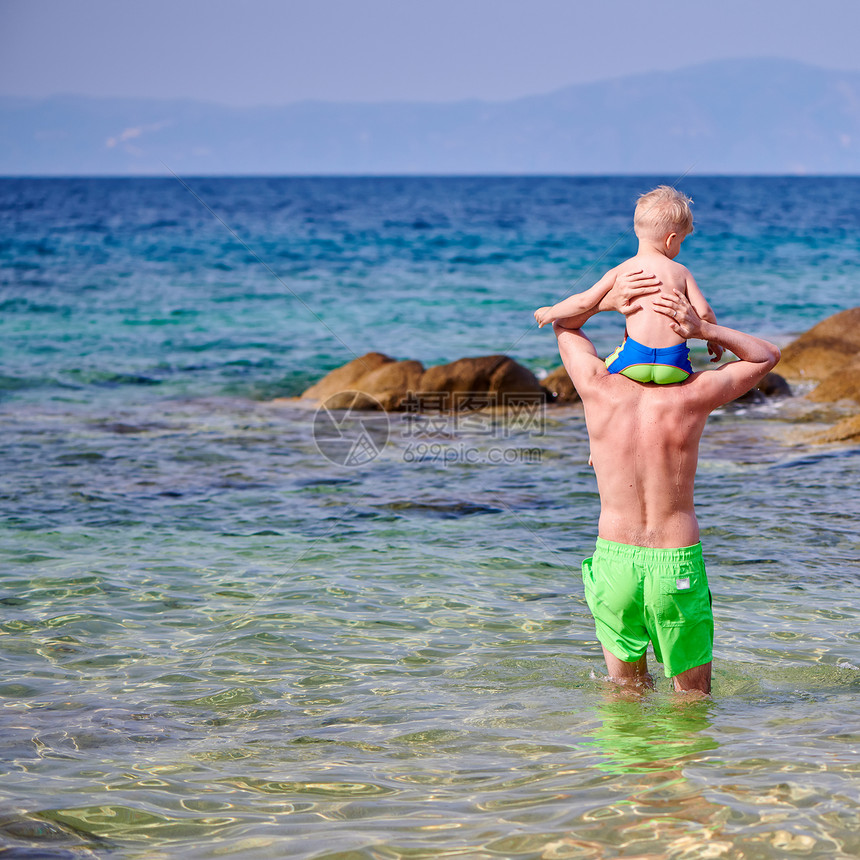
[(216, 642)]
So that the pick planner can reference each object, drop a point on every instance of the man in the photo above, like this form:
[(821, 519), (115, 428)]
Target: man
[(647, 580)]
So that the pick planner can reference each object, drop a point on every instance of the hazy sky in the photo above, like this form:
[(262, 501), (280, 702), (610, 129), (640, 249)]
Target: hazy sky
[(267, 52)]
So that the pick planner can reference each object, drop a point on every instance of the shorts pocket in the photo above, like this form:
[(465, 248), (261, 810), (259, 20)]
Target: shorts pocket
[(588, 582), (586, 569), (682, 596)]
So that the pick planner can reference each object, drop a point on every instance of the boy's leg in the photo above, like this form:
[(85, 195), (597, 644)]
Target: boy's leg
[(695, 679), (622, 672)]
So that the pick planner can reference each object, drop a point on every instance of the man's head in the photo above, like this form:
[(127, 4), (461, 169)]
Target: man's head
[(661, 213)]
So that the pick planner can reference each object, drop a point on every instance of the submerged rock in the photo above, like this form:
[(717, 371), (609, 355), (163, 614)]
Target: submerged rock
[(773, 385), (376, 381), (825, 349), (559, 387)]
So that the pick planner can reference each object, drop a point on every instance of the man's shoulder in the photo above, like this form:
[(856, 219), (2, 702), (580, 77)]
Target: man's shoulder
[(598, 383), (708, 389)]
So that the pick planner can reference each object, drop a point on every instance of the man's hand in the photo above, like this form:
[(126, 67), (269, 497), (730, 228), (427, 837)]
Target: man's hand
[(684, 319), (544, 316), (629, 286)]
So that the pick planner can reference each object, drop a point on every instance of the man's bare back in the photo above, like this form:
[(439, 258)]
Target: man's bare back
[(644, 448)]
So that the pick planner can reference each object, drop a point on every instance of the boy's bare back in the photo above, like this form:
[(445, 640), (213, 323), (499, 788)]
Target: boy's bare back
[(647, 326)]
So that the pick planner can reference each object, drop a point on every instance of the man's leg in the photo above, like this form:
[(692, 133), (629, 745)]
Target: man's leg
[(696, 679), (623, 673)]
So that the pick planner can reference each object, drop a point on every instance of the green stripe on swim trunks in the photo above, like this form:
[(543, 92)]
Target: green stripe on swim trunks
[(662, 374)]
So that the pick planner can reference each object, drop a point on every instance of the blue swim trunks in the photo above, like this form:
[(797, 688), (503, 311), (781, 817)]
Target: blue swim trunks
[(663, 365)]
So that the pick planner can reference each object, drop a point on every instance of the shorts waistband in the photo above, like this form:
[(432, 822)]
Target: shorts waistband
[(643, 553), (657, 352)]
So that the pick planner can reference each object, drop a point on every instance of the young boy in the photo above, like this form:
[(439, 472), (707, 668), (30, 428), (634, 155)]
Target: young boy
[(651, 350)]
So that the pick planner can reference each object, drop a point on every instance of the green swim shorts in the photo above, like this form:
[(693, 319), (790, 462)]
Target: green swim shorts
[(638, 594)]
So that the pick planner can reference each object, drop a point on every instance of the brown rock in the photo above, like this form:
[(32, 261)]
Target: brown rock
[(559, 387), (846, 430), (370, 382), (390, 383), (842, 384), (344, 378), (376, 380), (495, 375), (824, 349), (351, 399)]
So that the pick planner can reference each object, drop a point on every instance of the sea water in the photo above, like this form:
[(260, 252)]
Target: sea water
[(217, 641)]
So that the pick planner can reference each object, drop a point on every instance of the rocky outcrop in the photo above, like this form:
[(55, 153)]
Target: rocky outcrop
[(846, 430), (825, 349), (372, 381), (830, 354), (498, 375), (376, 381), (344, 378), (842, 384)]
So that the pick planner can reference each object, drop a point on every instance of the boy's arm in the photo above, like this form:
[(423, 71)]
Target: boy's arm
[(723, 384), (697, 299), (576, 305), (703, 309), (620, 296)]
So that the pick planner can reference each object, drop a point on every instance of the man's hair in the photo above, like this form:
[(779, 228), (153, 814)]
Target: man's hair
[(661, 211)]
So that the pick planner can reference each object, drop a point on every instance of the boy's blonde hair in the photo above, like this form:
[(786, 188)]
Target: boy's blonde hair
[(662, 211)]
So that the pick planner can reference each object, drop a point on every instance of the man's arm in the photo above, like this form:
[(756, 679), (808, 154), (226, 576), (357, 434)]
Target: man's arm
[(729, 381), (621, 296), (578, 356)]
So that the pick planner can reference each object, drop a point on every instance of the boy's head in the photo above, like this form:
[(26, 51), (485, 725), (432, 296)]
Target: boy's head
[(663, 211)]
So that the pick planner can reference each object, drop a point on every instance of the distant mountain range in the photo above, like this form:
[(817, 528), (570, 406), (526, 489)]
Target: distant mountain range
[(763, 116)]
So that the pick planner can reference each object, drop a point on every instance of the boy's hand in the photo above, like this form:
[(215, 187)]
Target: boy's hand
[(544, 316), (715, 350), (628, 287)]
